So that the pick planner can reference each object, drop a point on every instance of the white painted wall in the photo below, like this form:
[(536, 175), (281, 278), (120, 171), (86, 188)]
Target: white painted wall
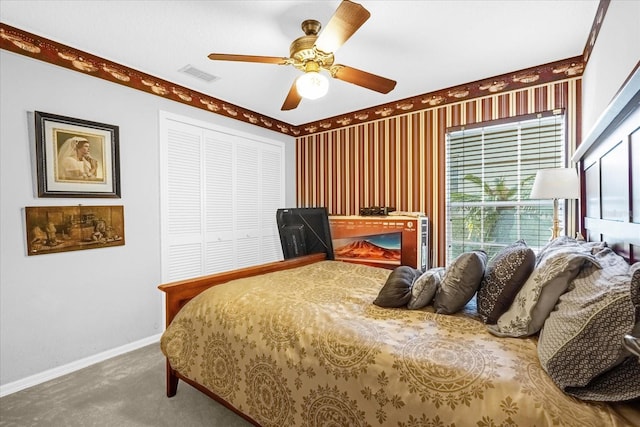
[(615, 55), (57, 309)]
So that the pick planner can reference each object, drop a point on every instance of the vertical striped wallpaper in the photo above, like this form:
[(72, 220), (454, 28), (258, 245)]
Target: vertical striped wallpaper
[(400, 161)]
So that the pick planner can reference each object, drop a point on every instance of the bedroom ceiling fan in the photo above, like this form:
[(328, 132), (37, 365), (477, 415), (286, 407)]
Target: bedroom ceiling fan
[(314, 52)]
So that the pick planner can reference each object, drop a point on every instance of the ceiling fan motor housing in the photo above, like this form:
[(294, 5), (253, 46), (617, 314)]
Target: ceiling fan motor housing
[(302, 49)]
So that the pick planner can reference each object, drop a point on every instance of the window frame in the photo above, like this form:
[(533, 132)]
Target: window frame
[(476, 133)]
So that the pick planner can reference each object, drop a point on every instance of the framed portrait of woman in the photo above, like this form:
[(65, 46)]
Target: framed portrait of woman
[(76, 158)]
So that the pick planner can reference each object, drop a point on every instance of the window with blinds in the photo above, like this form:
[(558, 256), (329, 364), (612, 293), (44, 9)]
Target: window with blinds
[(490, 172)]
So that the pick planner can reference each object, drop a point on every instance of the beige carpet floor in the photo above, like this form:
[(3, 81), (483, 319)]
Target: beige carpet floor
[(128, 390)]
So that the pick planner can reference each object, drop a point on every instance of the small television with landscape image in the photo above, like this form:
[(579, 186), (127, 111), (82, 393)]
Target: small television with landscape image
[(384, 248)]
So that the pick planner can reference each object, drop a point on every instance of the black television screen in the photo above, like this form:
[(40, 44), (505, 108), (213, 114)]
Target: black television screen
[(304, 231)]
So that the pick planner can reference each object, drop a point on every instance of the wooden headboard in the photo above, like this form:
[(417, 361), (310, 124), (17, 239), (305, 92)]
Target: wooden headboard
[(609, 166)]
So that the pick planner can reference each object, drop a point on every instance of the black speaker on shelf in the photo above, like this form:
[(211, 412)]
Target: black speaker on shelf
[(376, 211)]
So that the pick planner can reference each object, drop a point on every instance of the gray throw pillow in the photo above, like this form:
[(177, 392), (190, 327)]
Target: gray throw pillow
[(396, 291), (425, 287), (634, 294), (460, 282), (581, 344), (506, 273), (635, 288)]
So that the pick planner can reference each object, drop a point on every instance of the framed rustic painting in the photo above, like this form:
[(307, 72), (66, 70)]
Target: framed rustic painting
[(52, 229), (76, 158)]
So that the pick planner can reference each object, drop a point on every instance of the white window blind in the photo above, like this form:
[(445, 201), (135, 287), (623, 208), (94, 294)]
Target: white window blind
[(490, 172)]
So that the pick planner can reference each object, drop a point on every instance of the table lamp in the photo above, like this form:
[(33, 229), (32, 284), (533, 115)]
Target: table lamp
[(559, 183)]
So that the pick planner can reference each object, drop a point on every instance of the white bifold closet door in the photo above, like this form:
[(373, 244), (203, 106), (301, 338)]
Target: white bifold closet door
[(220, 192)]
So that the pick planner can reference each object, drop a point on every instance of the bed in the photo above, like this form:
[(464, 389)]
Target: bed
[(301, 342)]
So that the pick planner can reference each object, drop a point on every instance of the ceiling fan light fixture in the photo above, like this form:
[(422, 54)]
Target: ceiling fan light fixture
[(314, 52), (312, 85)]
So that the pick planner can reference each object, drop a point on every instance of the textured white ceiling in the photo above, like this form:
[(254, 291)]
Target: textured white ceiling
[(424, 45)]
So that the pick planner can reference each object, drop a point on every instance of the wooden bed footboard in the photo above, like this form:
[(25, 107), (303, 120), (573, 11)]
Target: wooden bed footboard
[(177, 294)]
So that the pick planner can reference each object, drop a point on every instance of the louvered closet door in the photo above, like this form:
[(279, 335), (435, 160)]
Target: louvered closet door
[(247, 194), (258, 193), (220, 196), (219, 203), (182, 243), (271, 181)]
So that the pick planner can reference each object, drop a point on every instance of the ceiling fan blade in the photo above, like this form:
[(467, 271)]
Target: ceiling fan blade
[(362, 78), (293, 98), (343, 24), (248, 58)]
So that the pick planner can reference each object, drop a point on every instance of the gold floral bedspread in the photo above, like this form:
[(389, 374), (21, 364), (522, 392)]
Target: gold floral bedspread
[(306, 347)]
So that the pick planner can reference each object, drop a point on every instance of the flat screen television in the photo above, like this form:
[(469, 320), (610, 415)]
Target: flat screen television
[(381, 248), (304, 231)]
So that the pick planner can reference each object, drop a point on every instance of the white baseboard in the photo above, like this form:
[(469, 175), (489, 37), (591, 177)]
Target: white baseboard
[(50, 374)]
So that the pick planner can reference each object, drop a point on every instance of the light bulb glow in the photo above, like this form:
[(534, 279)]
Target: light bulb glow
[(312, 85)]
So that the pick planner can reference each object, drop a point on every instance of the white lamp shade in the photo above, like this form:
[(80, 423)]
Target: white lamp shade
[(560, 183), (312, 85)]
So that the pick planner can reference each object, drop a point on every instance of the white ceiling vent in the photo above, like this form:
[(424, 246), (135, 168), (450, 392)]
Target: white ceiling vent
[(199, 74)]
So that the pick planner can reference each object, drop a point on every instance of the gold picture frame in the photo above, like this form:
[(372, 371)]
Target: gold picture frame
[(76, 158), (51, 229)]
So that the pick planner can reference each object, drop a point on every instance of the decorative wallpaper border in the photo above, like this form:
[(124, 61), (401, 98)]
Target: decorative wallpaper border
[(595, 29), (530, 77), (34, 46), (24, 43)]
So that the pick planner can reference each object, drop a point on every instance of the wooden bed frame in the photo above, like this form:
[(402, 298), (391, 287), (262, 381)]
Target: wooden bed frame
[(177, 294), (609, 167)]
